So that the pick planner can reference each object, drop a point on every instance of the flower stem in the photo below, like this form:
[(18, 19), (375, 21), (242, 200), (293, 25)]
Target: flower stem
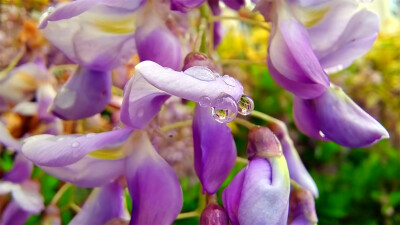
[(59, 193), (74, 207), (187, 215), (176, 125), (265, 117), (242, 160), (12, 64), (245, 123)]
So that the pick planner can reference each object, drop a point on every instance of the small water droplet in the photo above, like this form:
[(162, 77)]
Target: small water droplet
[(90, 135), (75, 144), (201, 73), (245, 105), (321, 134), (229, 80), (205, 101), (60, 139), (224, 109)]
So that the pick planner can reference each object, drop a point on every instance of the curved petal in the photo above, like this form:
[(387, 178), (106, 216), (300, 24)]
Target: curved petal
[(185, 5), (102, 205), (214, 149), (302, 208), (26, 108), (85, 94), (153, 185), (21, 170), (305, 117), (234, 4), (13, 214), (95, 34), (232, 195), (45, 96), (158, 44), (265, 193), (8, 140), (292, 58), (297, 170), (344, 122), (50, 150), (358, 37), (28, 197), (89, 171)]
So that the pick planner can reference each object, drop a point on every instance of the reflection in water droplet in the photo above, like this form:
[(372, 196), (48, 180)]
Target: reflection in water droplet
[(75, 144), (224, 109), (205, 101), (200, 73), (321, 134), (229, 80), (90, 135), (245, 105)]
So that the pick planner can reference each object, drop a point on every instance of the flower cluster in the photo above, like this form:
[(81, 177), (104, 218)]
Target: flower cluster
[(308, 40)]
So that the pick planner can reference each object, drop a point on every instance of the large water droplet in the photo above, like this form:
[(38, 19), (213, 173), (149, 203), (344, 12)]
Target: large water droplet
[(224, 109), (201, 73), (245, 105), (205, 101), (75, 144), (229, 80)]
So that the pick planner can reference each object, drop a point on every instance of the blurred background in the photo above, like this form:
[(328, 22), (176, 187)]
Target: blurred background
[(357, 186)]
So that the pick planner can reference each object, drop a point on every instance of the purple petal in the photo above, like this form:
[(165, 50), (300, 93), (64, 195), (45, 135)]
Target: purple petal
[(292, 61), (45, 96), (297, 170), (308, 3), (21, 170), (214, 149), (305, 117), (185, 5), (102, 205), (232, 195), (13, 214), (158, 44), (8, 140), (50, 150), (358, 37), (214, 214), (89, 171), (265, 193), (95, 34), (85, 94), (302, 208), (234, 4), (344, 122), (153, 185)]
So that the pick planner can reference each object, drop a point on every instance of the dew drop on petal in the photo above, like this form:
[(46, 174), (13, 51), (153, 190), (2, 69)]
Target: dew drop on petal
[(205, 101), (245, 105), (60, 139), (321, 134), (90, 135), (224, 109), (201, 73), (75, 144), (229, 80)]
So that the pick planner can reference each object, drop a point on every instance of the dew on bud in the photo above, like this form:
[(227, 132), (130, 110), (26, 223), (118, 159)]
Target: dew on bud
[(224, 109), (205, 101), (229, 80), (245, 105), (201, 73)]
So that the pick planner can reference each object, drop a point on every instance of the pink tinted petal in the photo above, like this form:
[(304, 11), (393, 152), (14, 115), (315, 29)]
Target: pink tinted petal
[(102, 205), (85, 94), (50, 150), (158, 44), (21, 170), (185, 5), (142, 101), (13, 214), (89, 171), (45, 96), (7, 140), (214, 149), (265, 193), (344, 122), (28, 197), (232, 195), (153, 185)]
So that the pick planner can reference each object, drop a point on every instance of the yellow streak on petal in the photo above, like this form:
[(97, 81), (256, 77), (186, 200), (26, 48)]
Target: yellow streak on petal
[(109, 154), (122, 26), (311, 17)]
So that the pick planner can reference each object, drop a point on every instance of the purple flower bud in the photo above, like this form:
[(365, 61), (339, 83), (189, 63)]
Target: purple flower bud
[(198, 59), (234, 4), (185, 5), (263, 143), (302, 207), (214, 214)]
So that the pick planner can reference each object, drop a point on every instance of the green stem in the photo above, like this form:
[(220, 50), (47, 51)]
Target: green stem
[(242, 160), (12, 64), (59, 193), (187, 215), (245, 123), (265, 117)]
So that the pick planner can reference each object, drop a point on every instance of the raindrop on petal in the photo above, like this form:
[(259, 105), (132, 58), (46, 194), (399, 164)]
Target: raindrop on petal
[(245, 105), (205, 101), (90, 135), (75, 144), (201, 73), (321, 134), (224, 109), (229, 80)]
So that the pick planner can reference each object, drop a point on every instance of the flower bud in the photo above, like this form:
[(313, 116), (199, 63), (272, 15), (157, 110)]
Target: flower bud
[(214, 214), (263, 143), (198, 59), (302, 207)]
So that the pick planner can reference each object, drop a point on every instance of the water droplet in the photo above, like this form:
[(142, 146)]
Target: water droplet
[(224, 109), (201, 73), (205, 101), (90, 135), (229, 80), (321, 134), (75, 144), (245, 105), (60, 139)]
